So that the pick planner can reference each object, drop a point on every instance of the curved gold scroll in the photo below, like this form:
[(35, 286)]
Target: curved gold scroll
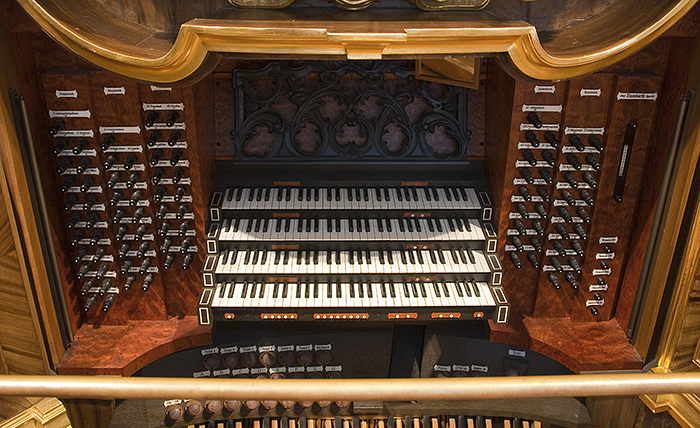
[(104, 37)]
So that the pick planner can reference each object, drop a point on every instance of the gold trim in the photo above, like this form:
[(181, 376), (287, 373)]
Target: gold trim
[(49, 413), (470, 33), (433, 389)]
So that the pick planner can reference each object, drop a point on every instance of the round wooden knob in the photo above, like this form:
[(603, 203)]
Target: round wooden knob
[(268, 359), (323, 357), (324, 404), (212, 406), (441, 374), (173, 412), (249, 359), (269, 404), (288, 404), (343, 404), (513, 371), (211, 361), (334, 375), (231, 360), (304, 358), (251, 404), (286, 358), (277, 376), (193, 408), (315, 375), (460, 373), (478, 374), (232, 405)]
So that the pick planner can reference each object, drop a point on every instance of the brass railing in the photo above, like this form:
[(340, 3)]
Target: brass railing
[(436, 389)]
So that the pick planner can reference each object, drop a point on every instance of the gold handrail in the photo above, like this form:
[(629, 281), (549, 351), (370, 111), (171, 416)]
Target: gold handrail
[(434, 389)]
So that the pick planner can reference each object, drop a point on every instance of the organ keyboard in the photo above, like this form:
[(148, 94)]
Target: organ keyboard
[(351, 250)]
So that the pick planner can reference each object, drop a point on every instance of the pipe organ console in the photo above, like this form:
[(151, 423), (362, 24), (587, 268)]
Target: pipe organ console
[(275, 201)]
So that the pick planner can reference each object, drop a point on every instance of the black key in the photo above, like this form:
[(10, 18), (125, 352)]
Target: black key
[(351, 257), (234, 256), (366, 192), (308, 194), (285, 258), (337, 225), (352, 290), (267, 194), (370, 292), (338, 291), (458, 286), (279, 194), (337, 257), (380, 226), (300, 256), (414, 193), (254, 258), (418, 228), (228, 223), (436, 195), (463, 191), (409, 225), (300, 196), (445, 290), (337, 194), (236, 224), (316, 221), (419, 256), (402, 229), (250, 226), (358, 192), (300, 223), (368, 257), (423, 291), (298, 292), (359, 224), (329, 290), (411, 258), (288, 194), (257, 225), (381, 257), (477, 293), (461, 421), (403, 257), (278, 255), (433, 257), (315, 257), (437, 289), (278, 226), (426, 191), (307, 291), (239, 192), (470, 254), (448, 194), (451, 223), (308, 225), (460, 227), (399, 196), (378, 194), (330, 225), (386, 194), (263, 257), (275, 290), (315, 291), (361, 291), (359, 257), (221, 291), (414, 289), (438, 224), (388, 225), (316, 194), (328, 257), (407, 193), (367, 225), (284, 290), (246, 259), (351, 226), (261, 293), (431, 226), (382, 289), (455, 193), (328, 194), (349, 194), (463, 256), (392, 290), (467, 289), (455, 257), (266, 222), (467, 225), (406, 291), (286, 225), (390, 257)]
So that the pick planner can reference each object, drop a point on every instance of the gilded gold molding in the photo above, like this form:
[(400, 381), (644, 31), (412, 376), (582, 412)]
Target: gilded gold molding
[(358, 37), (48, 413)]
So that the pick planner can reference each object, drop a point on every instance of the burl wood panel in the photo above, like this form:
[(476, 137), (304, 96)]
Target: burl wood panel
[(123, 350), (673, 89), (580, 112), (582, 346)]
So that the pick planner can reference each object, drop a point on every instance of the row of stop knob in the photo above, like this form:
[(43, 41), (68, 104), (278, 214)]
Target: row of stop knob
[(232, 360)]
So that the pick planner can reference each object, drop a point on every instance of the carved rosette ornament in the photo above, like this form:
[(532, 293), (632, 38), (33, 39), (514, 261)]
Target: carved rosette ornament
[(346, 110)]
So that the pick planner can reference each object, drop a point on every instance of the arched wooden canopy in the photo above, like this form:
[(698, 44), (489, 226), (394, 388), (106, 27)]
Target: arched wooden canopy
[(558, 40)]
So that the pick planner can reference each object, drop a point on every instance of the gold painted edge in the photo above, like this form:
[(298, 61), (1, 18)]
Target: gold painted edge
[(198, 38), (48, 412)]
